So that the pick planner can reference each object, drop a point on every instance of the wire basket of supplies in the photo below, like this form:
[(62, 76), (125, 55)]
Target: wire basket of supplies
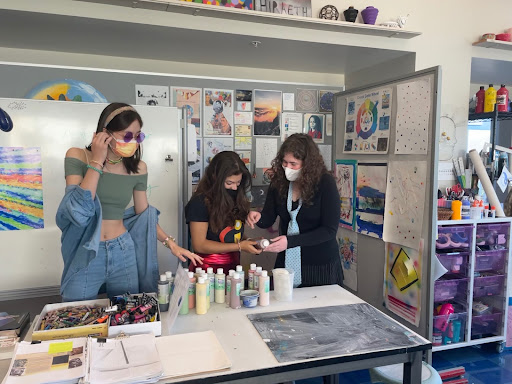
[(444, 213)]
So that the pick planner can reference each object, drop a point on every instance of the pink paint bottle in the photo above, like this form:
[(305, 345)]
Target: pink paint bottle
[(264, 288), (236, 284)]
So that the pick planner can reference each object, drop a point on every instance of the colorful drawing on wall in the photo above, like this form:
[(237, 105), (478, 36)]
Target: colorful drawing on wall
[(245, 4), (218, 112), (306, 100), (402, 281), (21, 188), (189, 98), (405, 202), (345, 174), (314, 126), (243, 130), (213, 146), (367, 122), (246, 158), (285, 7), (267, 113), (347, 243), (243, 142), (196, 169), (66, 90), (325, 100), (153, 95), (370, 198)]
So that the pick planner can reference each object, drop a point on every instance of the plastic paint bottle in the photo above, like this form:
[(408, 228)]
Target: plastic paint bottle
[(235, 291), (456, 209), (493, 211), (201, 299), (228, 286), (240, 270), (204, 275), (264, 288), (192, 291), (198, 272), (256, 279), (480, 99), (211, 281), (465, 208), (486, 211), (170, 279), (220, 286), (252, 269), (502, 99), (262, 244), (163, 293), (490, 99), (184, 305)]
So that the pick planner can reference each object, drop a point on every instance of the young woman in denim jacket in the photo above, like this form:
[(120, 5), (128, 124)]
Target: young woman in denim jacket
[(97, 234)]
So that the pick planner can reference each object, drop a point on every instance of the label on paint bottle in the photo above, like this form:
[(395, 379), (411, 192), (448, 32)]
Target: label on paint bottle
[(192, 289), (238, 289), (267, 286), (219, 284), (228, 286)]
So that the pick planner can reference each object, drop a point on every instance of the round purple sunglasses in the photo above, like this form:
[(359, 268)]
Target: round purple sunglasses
[(129, 137)]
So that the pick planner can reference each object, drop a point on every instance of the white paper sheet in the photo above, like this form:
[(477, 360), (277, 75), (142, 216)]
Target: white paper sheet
[(266, 151), (326, 152), (192, 143), (288, 101), (292, 123), (412, 117), (152, 95), (328, 124), (181, 284), (243, 142), (243, 118)]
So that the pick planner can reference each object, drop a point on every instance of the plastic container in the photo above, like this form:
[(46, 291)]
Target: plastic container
[(240, 271), (234, 301), (502, 99), (211, 281), (465, 215), (201, 297), (490, 260), (283, 283), (256, 278), (455, 331), (220, 286), (457, 210), (491, 285), (192, 291), (250, 280), (228, 286), (249, 298), (163, 293), (492, 236), (486, 324), (490, 99), (453, 237), (480, 99), (456, 263), (447, 289)]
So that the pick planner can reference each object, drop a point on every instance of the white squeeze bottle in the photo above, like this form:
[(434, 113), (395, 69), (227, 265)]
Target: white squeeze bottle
[(201, 299), (256, 279), (207, 281), (228, 286), (235, 291), (252, 269), (211, 279), (220, 286), (240, 270), (264, 289), (192, 291), (198, 272)]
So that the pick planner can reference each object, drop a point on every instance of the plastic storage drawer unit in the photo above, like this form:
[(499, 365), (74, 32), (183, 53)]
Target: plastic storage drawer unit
[(451, 329), (447, 289), (490, 260), (492, 236), (486, 324), (488, 286), (454, 237), (456, 263)]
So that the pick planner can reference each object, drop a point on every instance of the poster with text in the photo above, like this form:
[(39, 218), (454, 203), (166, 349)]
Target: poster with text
[(218, 112), (152, 95), (267, 113), (347, 243), (189, 98), (212, 146), (367, 120), (292, 123), (402, 281), (370, 198), (345, 175)]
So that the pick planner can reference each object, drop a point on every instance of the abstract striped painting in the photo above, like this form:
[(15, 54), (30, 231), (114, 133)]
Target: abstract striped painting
[(21, 188)]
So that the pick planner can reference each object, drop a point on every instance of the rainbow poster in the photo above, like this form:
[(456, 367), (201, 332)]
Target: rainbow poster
[(21, 188)]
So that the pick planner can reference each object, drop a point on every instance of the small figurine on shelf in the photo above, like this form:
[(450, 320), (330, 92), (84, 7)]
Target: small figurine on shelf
[(370, 15), (350, 14), (329, 12), (399, 23)]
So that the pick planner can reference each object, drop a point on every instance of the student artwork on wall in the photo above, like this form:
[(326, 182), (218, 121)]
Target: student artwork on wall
[(292, 123), (412, 117), (370, 198), (267, 113), (212, 146), (66, 90), (326, 152), (21, 188), (243, 100), (244, 118), (288, 101), (345, 174), (266, 150), (189, 98), (402, 281), (258, 196), (405, 200), (152, 95), (246, 158), (285, 7), (325, 100), (243, 142), (347, 243), (328, 124), (314, 126), (243, 130), (196, 168), (368, 116), (307, 100), (240, 4), (218, 112)]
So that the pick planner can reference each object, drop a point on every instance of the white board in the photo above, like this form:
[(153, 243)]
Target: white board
[(32, 258)]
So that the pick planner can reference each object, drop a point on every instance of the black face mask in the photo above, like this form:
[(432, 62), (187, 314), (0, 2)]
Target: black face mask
[(232, 192)]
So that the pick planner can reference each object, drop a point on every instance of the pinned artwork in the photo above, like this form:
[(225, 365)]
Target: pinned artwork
[(314, 126), (292, 123), (370, 198), (326, 152), (328, 124), (21, 188), (345, 175), (368, 116), (66, 90), (196, 167), (402, 281), (405, 201), (243, 130), (212, 146), (307, 100), (413, 103), (189, 98), (285, 7), (155, 95), (267, 113), (240, 4), (218, 112), (246, 158), (258, 195), (266, 151), (243, 142), (325, 100), (244, 118), (347, 243)]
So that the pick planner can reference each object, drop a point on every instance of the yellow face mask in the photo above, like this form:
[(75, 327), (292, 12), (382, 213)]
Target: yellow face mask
[(125, 149)]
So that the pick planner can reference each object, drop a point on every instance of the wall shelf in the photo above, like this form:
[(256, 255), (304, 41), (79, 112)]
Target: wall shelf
[(498, 44)]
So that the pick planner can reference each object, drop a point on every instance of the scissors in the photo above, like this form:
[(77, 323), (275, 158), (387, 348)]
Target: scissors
[(455, 191)]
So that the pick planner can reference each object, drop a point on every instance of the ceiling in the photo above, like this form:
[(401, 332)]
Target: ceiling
[(486, 71), (50, 32)]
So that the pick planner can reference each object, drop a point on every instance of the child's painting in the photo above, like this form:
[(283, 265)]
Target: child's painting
[(347, 242), (267, 113), (218, 112), (345, 174), (21, 188), (189, 98), (371, 198), (240, 4)]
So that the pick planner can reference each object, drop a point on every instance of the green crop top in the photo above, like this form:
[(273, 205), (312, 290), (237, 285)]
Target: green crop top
[(114, 191)]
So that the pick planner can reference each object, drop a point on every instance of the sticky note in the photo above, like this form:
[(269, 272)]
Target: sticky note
[(60, 347)]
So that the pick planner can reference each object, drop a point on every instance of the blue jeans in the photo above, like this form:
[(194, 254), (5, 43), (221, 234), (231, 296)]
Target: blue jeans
[(115, 264)]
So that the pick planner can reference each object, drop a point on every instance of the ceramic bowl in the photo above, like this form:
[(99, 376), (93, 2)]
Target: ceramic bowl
[(249, 298), (504, 37), (488, 36)]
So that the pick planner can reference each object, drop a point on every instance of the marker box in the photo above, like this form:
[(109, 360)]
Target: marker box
[(137, 328)]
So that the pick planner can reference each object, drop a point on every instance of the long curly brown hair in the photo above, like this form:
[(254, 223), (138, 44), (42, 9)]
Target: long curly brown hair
[(222, 208), (302, 147)]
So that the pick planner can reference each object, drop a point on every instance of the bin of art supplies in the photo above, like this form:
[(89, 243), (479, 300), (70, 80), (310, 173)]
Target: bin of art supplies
[(135, 314), (451, 329), (447, 289), (455, 263), (486, 325), (454, 237), (490, 260), (492, 236), (72, 319), (283, 283), (488, 285)]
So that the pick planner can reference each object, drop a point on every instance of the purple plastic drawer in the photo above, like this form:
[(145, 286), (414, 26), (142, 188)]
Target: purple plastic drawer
[(447, 289), (454, 237), (488, 286), (490, 260), (450, 329), (492, 235), (456, 263), (486, 324)]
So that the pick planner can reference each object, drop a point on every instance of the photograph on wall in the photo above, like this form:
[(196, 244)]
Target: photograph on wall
[(367, 120), (243, 100), (196, 167), (325, 100), (402, 281), (314, 126), (246, 158), (243, 130), (307, 100), (21, 188), (240, 4), (347, 244), (345, 175), (267, 113), (189, 98), (243, 142), (212, 146), (152, 95), (370, 198), (405, 202), (285, 7), (218, 112), (292, 123)]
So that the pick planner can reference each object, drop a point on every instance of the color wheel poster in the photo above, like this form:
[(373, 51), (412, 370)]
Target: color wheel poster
[(367, 122)]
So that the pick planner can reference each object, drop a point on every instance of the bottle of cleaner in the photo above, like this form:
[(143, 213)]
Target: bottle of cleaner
[(220, 286), (252, 269), (490, 99), (264, 288), (502, 99), (240, 270), (201, 299), (211, 281), (480, 99), (192, 291), (234, 301), (163, 293)]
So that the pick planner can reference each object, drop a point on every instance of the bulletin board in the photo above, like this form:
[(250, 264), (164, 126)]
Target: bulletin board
[(388, 124)]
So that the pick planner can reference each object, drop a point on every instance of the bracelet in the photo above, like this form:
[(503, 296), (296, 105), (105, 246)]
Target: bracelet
[(96, 169), (166, 241), (239, 247), (97, 162)]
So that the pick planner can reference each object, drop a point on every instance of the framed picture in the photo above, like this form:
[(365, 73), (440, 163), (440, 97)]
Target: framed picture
[(218, 112), (314, 126)]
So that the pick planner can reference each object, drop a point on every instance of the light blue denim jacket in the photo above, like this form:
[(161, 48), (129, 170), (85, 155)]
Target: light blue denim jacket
[(79, 218)]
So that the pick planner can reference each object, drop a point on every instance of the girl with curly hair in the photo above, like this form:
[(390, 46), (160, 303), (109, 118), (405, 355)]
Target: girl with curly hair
[(304, 196)]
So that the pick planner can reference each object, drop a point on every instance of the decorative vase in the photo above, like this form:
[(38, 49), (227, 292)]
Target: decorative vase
[(329, 12), (370, 15), (350, 14)]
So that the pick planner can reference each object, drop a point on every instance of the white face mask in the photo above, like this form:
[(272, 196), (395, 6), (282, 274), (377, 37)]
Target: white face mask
[(292, 174)]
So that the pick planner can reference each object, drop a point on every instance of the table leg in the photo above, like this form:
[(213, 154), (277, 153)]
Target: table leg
[(412, 369), (331, 379)]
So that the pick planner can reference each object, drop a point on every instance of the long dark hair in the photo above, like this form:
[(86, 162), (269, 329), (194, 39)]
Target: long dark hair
[(302, 147), (223, 210), (120, 123)]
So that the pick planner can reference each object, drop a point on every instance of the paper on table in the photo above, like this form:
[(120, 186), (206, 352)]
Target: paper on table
[(181, 283), (191, 353)]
